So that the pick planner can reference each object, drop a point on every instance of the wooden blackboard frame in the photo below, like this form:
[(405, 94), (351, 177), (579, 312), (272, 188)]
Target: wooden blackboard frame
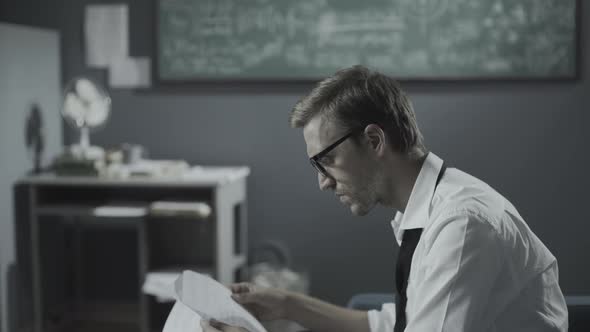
[(162, 82)]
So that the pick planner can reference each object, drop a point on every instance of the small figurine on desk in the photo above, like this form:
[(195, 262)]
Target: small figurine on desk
[(34, 137)]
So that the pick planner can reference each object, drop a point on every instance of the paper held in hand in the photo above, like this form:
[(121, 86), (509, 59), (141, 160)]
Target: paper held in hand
[(200, 297)]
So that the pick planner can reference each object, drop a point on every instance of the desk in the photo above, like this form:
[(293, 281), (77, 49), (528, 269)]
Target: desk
[(216, 243)]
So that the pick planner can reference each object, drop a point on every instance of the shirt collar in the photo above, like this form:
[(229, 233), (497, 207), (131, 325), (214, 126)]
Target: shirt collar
[(416, 214)]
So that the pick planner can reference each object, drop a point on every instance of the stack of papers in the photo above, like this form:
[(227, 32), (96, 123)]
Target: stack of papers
[(200, 297)]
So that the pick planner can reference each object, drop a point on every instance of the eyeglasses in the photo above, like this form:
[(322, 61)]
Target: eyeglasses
[(315, 160)]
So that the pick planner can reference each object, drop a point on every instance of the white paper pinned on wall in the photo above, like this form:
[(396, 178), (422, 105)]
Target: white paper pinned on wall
[(106, 32), (129, 72)]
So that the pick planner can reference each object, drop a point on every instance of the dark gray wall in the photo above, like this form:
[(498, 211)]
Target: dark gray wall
[(529, 140)]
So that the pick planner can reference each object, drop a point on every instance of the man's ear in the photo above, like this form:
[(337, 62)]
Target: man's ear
[(376, 138)]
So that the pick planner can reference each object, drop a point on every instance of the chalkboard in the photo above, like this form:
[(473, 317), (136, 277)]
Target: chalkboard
[(408, 39)]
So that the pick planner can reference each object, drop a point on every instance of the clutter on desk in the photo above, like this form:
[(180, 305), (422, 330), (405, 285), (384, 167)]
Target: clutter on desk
[(146, 168), (111, 165), (132, 153), (71, 163), (128, 163), (219, 174)]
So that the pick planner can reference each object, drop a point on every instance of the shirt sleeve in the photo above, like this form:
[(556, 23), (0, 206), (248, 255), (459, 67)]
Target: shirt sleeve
[(382, 320), (458, 272)]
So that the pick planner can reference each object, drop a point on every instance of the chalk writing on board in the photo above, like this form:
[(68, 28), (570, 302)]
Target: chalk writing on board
[(405, 38)]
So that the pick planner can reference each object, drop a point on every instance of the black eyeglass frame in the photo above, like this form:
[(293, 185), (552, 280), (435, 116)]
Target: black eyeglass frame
[(315, 159)]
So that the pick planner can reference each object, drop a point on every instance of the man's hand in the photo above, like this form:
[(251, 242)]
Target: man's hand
[(264, 303), (215, 326), (313, 314)]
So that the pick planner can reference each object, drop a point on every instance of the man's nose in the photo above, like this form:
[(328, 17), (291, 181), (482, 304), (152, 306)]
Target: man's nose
[(325, 182)]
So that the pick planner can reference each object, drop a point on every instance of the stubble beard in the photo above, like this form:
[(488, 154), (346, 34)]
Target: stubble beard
[(362, 203)]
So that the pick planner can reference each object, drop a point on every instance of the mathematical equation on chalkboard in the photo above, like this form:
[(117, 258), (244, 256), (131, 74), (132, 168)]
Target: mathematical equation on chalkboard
[(408, 39)]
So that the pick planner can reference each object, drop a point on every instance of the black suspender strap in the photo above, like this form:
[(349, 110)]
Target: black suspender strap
[(403, 266)]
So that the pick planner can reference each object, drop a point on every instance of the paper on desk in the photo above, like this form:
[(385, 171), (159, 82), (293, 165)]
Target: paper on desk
[(107, 34), (119, 211), (168, 208), (218, 174), (206, 298)]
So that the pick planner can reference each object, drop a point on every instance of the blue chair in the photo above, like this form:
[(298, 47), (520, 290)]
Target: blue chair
[(370, 301)]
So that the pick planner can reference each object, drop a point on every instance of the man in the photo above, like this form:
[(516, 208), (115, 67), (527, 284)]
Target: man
[(467, 261)]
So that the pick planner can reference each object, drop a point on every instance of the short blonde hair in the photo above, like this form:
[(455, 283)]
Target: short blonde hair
[(356, 97)]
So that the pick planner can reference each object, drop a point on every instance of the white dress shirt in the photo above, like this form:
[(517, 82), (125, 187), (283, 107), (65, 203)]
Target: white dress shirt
[(477, 267)]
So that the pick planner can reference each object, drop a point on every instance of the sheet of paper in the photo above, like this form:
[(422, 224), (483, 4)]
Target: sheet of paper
[(161, 285), (106, 30), (129, 72), (182, 319), (208, 299)]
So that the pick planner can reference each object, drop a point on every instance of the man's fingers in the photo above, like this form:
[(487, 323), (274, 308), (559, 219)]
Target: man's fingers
[(242, 287), (217, 324), (253, 309), (243, 293), (207, 327), (245, 298)]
